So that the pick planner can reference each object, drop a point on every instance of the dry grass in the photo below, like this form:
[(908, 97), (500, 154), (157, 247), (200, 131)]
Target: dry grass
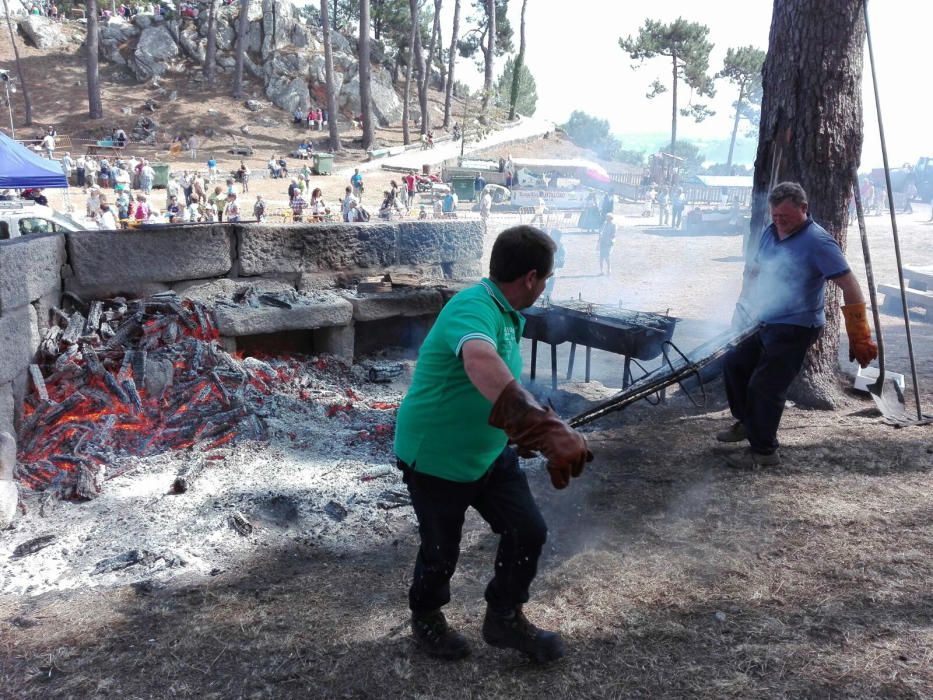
[(668, 575)]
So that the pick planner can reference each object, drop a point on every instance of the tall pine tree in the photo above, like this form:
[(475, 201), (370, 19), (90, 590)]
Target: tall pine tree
[(685, 44)]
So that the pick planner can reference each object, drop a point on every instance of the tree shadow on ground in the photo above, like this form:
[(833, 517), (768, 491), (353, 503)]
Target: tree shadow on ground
[(668, 574)]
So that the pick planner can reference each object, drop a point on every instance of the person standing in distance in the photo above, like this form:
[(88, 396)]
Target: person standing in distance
[(356, 181), (783, 294), (464, 406)]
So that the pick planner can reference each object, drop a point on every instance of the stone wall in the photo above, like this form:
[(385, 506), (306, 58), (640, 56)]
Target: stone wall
[(30, 284), (34, 272)]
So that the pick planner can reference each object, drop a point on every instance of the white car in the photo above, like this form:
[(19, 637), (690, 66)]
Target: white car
[(23, 218)]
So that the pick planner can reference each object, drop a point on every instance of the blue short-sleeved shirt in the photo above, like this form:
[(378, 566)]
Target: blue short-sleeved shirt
[(788, 277)]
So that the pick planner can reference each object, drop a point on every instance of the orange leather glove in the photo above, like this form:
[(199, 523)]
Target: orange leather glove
[(535, 429), (861, 347)]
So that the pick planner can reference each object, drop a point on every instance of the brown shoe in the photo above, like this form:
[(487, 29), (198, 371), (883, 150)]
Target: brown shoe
[(753, 461), (735, 433), (510, 629), (438, 639)]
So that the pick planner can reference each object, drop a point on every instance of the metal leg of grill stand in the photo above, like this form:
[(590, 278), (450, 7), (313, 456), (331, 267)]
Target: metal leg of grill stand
[(553, 367), (627, 372), (534, 360), (573, 351), (589, 352)]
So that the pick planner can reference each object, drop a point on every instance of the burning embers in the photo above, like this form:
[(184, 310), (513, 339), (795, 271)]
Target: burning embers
[(135, 378)]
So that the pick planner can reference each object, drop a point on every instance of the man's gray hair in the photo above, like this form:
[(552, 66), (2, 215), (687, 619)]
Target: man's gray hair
[(788, 190)]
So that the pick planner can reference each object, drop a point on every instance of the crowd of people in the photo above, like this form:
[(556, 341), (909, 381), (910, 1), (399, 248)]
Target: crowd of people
[(316, 118), (190, 196)]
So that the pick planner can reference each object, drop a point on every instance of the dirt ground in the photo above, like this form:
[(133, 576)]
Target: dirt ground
[(668, 574)]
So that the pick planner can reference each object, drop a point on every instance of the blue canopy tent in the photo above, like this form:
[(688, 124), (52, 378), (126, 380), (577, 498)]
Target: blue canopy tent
[(21, 169)]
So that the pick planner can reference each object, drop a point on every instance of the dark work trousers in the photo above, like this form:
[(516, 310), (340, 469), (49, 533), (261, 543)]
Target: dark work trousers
[(758, 373), (503, 499)]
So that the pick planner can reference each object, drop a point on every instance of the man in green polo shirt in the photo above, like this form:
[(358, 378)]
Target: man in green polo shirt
[(464, 406)]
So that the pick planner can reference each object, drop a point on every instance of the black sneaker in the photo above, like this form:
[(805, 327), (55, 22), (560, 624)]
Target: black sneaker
[(436, 638), (511, 630)]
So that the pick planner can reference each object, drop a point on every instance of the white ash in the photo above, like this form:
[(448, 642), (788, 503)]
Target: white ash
[(326, 478)]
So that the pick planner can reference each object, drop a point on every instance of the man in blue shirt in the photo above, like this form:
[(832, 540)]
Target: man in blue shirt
[(783, 293), (356, 181)]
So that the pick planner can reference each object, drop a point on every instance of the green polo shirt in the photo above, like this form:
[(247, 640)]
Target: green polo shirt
[(442, 427)]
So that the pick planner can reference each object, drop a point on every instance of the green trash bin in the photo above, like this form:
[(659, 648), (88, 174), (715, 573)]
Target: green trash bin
[(161, 174), (323, 163), (463, 188)]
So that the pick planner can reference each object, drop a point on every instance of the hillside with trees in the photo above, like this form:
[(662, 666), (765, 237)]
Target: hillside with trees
[(379, 65)]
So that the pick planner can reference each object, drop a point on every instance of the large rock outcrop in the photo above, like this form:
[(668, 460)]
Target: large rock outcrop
[(115, 34), (283, 51), (387, 107), (42, 32), (155, 48)]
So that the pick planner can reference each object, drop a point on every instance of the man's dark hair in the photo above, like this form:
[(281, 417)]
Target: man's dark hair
[(788, 190), (518, 250)]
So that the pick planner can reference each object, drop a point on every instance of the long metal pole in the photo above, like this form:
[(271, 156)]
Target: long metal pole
[(9, 106), (897, 245)]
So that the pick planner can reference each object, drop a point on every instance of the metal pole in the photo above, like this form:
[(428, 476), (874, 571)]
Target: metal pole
[(463, 128), (9, 105), (897, 245)]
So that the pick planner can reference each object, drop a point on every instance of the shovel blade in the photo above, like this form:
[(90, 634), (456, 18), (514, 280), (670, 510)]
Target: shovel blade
[(890, 401)]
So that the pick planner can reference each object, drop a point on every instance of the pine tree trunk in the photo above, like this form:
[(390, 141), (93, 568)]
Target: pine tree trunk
[(674, 109), (735, 130), (334, 143), (811, 133), (409, 69), (517, 68), (210, 56), (242, 29), (451, 62), (435, 30), (20, 76), (95, 109), (441, 64), (422, 78), (366, 99), (490, 54)]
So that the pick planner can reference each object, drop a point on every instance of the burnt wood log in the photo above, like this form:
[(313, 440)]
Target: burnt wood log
[(115, 388), (139, 366), (126, 331), (32, 546), (38, 382), (125, 366), (93, 362), (129, 386), (185, 477), (57, 410), (93, 318), (88, 484), (74, 329), (50, 341)]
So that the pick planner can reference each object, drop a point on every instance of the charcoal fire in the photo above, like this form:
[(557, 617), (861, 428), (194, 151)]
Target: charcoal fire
[(158, 380), (154, 379)]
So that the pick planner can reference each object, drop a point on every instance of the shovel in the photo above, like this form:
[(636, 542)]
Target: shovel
[(887, 395)]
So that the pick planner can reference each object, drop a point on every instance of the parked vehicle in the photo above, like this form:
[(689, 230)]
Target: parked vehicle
[(25, 218)]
